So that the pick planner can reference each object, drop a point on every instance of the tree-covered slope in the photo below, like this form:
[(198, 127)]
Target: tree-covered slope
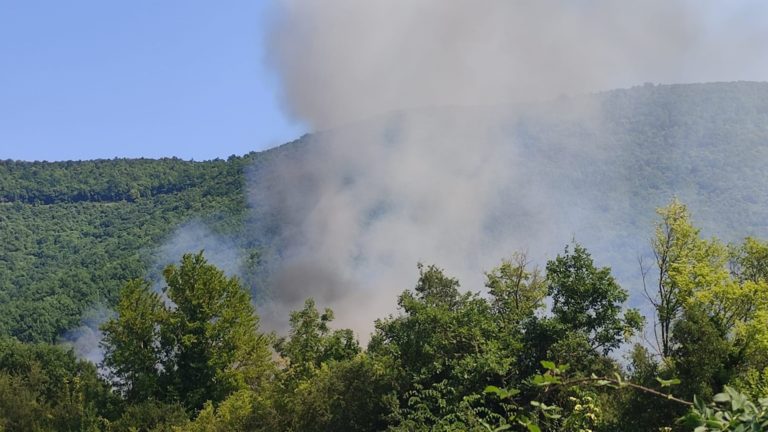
[(71, 233)]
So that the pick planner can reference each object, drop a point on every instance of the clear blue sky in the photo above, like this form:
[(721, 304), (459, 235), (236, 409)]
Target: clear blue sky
[(83, 79)]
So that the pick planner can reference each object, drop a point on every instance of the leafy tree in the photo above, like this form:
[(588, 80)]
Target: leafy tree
[(242, 411), (516, 292), (443, 341), (588, 301), (132, 352), (211, 333), (327, 384), (45, 387), (312, 343), (686, 264), (712, 303), (749, 262), (702, 355), (150, 415), (205, 344), (351, 395), (442, 334)]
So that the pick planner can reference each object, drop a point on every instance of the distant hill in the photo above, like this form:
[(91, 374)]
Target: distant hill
[(72, 232)]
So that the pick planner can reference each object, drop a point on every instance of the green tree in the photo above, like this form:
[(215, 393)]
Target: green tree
[(242, 411), (312, 343), (211, 334), (443, 342), (703, 358), (587, 300), (44, 387), (517, 292), (132, 352), (353, 395), (686, 264), (203, 345)]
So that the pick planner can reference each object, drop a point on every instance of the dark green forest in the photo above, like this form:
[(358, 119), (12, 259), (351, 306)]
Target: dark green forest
[(549, 347), (74, 232)]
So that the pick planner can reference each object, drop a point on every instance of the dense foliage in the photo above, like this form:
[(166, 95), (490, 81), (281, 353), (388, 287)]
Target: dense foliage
[(534, 351), (550, 348), (71, 233)]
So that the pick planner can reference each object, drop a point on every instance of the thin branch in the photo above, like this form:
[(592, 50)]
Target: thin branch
[(632, 385)]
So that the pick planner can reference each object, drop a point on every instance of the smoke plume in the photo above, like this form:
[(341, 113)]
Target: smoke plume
[(410, 169), (85, 340), (342, 60), (195, 236)]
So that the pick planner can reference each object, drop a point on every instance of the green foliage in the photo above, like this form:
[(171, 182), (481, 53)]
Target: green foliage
[(240, 412), (312, 343), (73, 232), (588, 300), (432, 409), (203, 346), (45, 388), (702, 356), (446, 347), (149, 415), (210, 333), (516, 291), (730, 411), (131, 349), (443, 335), (753, 382), (327, 383), (355, 394), (711, 304)]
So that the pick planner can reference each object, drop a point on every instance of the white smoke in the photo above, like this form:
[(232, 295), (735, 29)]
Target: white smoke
[(343, 60), (85, 340), (194, 237), (403, 182)]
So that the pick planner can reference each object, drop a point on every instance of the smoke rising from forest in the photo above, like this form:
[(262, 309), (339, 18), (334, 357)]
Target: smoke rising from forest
[(402, 182), (191, 237)]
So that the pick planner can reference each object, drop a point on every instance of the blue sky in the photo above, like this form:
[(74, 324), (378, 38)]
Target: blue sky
[(83, 79)]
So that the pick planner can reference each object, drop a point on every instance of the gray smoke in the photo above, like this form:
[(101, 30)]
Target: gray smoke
[(342, 60), (403, 182), (195, 236), (85, 340), (191, 237)]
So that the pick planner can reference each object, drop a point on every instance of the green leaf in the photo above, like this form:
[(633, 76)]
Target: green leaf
[(722, 397), (669, 382), (492, 389)]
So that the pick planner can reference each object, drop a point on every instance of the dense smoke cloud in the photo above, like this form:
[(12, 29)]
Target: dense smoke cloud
[(342, 60), (394, 180)]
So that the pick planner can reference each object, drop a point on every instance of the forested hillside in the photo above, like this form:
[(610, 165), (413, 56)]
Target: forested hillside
[(535, 348), (73, 232)]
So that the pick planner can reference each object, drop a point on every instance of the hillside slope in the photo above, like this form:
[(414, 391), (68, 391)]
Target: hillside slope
[(72, 232)]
